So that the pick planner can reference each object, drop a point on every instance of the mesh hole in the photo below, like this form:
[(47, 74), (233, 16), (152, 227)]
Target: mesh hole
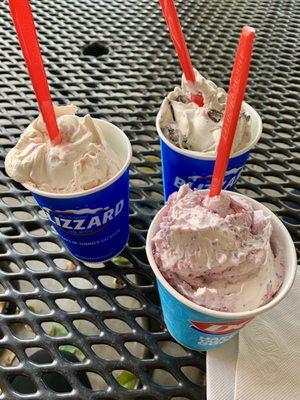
[(36, 265), (172, 348), (11, 201), (80, 283), (86, 327), (139, 280), (9, 230), (194, 374), (35, 230), (3, 217), (63, 263), (96, 266), (106, 352), (108, 281), (128, 302), (52, 285), (31, 200), (22, 331), (33, 352), (49, 247), (76, 351), (23, 286), (23, 215), (9, 267), (150, 324), (23, 384), (117, 325), (97, 303), (68, 305), (163, 378), (54, 329), (121, 261), (37, 306), (138, 350), (56, 382), (96, 381), (8, 358), (9, 307), (95, 49), (126, 379), (23, 248)]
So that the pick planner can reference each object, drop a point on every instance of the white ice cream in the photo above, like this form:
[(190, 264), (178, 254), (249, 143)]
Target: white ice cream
[(82, 161), (220, 252), (191, 127)]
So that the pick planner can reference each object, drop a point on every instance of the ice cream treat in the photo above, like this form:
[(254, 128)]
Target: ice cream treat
[(189, 137), (218, 252), (195, 128), (82, 184), (218, 263), (82, 161)]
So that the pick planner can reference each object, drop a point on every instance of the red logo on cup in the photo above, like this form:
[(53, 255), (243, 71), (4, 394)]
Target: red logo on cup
[(219, 328)]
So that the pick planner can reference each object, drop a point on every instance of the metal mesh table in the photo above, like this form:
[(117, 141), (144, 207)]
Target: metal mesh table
[(114, 60)]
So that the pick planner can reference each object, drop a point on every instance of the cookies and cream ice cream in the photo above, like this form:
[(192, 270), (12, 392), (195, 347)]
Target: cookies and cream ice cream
[(218, 252), (82, 161), (195, 128)]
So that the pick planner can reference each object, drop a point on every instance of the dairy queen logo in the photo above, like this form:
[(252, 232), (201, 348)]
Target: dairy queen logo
[(85, 221), (219, 328)]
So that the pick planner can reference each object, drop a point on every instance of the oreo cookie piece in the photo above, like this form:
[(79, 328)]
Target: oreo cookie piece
[(171, 134), (182, 99), (215, 115)]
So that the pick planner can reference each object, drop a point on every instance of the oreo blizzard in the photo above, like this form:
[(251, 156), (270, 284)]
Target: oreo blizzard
[(179, 169), (203, 182), (85, 221)]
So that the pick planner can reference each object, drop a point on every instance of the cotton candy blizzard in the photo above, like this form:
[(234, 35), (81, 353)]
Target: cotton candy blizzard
[(82, 161), (191, 127), (220, 252)]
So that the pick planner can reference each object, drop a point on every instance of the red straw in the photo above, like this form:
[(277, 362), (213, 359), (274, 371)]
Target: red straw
[(172, 20), (24, 24), (237, 88)]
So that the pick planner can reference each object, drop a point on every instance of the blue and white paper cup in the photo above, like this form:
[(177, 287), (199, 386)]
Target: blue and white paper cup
[(180, 166), (200, 328), (94, 224)]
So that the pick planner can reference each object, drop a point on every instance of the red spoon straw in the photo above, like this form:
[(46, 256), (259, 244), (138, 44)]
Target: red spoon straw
[(237, 87), (172, 20), (24, 24)]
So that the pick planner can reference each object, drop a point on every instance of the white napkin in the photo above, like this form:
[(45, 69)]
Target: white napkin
[(264, 362), (220, 371)]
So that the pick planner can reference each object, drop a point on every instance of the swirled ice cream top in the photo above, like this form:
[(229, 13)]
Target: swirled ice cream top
[(82, 161), (219, 253), (195, 128)]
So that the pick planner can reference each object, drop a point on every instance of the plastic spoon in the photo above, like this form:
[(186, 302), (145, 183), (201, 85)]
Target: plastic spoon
[(172, 20), (237, 88), (25, 28)]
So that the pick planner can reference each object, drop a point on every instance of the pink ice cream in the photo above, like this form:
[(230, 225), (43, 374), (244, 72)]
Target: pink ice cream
[(219, 253)]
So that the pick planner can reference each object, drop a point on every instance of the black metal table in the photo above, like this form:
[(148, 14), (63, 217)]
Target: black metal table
[(114, 60)]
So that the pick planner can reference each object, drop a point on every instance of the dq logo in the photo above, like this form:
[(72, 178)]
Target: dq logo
[(219, 328)]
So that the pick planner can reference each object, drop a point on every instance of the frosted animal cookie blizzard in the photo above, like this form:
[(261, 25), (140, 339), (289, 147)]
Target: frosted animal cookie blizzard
[(82, 184)]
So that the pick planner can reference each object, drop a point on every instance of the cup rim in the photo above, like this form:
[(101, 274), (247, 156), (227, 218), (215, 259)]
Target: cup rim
[(99, 187), (201, 156), (288, 281)]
